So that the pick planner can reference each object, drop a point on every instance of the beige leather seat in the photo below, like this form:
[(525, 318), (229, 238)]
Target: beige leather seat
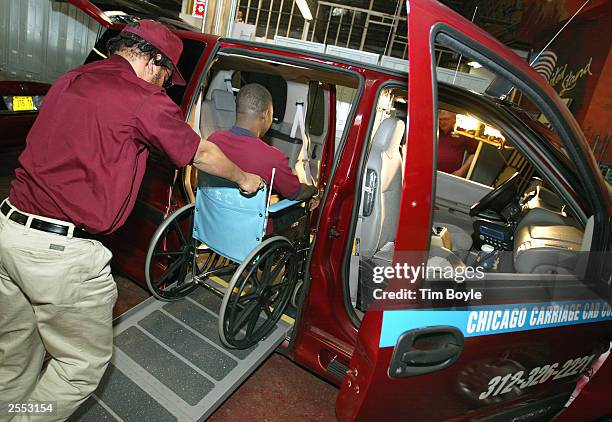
[(382, 189), (218, 112)]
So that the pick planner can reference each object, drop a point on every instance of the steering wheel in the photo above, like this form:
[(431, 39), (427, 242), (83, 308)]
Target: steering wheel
[(498, 198)]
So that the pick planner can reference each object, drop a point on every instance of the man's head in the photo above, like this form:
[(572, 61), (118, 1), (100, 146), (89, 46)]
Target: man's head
[(446, 121), (254, 109), (152, 50)]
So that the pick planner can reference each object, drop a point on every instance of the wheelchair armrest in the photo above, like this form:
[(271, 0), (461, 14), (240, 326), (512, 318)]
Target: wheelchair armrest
[(283, 204)]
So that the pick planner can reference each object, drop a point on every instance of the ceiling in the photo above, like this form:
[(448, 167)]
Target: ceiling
[(501, 18)]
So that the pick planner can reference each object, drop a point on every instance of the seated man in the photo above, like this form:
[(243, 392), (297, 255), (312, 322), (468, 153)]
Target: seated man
[(242, 144)]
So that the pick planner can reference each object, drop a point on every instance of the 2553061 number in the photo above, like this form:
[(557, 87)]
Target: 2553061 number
[(538, 375)]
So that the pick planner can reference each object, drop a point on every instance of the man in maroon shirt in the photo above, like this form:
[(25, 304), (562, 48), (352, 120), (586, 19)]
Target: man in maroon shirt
[(242, 144), (80, 174), (452, 147)]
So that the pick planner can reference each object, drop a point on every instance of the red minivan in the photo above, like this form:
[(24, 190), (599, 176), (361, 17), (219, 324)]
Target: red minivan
[(507, 342)]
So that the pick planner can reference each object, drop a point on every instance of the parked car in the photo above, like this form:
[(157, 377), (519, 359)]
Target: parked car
[(19, 105), (513, 343)]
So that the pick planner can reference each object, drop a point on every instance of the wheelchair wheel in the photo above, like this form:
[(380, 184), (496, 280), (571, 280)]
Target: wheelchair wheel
[(258, 293), (169, 262)]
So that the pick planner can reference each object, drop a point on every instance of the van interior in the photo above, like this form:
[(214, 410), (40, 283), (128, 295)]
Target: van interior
[(309, 107), (503, 203)]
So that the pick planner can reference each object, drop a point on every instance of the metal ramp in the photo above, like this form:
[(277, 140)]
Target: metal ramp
[(169, 364)]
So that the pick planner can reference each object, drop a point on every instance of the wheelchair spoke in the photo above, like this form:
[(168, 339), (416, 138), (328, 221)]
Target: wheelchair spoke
[(279, 266), (247, 297), (170, 270), (255, 279), (266, 270), (182, 287), (182, 273), (279, 285), (267, 311), (178, 228), (168, 253), (244, 317), (258, 294), (252, 323), (169, 261)]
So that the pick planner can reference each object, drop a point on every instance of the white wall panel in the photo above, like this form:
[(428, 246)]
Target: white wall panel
[(41, 39), (465, 80)]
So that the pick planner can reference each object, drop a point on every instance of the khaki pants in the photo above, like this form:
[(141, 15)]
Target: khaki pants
[(56, 294)]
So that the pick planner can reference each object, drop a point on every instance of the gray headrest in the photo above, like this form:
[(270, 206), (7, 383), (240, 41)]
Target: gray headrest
[(224, 100), (388, 136)]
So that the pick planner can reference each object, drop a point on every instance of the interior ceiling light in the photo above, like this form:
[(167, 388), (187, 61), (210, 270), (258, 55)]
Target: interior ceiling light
[(115, 13), (304, 9), (467, 122), (493, 132), (475, 65)]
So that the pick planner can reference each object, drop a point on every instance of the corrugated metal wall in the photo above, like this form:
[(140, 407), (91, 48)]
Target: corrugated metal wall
[(41, 39)]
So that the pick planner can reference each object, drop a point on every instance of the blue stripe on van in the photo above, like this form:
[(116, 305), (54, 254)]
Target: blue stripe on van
[(495, 319)]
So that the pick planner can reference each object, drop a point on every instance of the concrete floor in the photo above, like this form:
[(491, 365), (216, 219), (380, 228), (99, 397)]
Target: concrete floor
[(278, 391)]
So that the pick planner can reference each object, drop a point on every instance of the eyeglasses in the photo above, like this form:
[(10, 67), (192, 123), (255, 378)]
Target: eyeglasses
[(168, 80)]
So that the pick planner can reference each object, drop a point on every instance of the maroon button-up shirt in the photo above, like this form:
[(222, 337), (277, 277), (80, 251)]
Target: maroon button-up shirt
[(87, 151), (451, 149), (252, 154)]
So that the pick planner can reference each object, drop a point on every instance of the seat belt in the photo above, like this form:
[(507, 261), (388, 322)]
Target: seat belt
[(197, 114), (354, 263), (228, 85), (355, 258), (302, 166)]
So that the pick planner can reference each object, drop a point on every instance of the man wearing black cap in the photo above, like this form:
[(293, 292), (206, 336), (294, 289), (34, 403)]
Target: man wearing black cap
[(80, 174)]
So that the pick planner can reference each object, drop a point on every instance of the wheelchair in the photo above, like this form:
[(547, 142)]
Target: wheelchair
[(225, 232)]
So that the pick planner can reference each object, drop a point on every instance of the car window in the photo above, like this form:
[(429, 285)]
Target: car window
[(345, 97), (192, 51), (515, 219), (316, 112)]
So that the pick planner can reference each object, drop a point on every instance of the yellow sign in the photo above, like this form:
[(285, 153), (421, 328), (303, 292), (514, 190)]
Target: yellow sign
[(22, 104)]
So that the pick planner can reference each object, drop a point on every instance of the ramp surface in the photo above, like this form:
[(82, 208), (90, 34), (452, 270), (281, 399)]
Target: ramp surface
[(169, 363)]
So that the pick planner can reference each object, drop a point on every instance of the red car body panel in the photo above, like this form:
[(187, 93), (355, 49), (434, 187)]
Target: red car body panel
[(594, 400)]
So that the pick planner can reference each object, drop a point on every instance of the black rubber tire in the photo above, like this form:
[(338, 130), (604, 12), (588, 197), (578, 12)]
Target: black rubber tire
[(258, 311), (171, 251)]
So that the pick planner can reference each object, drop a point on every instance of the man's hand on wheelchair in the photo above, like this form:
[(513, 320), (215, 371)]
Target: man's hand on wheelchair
[(250, 183)]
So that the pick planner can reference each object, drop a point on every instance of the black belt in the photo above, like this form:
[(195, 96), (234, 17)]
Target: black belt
[(42, 225)]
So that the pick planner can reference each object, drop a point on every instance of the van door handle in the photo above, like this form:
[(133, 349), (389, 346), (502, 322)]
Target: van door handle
[(431, 357), (425, 350)]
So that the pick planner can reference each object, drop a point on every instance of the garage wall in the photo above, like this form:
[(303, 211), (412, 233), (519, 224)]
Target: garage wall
[(41, 39)]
